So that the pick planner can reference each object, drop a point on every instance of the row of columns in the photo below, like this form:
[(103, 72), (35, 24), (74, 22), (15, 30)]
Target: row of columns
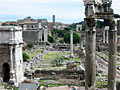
[(45, 32), (90, 62)]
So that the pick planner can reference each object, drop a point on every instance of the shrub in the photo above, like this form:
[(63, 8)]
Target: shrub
[(25, 57), (30, 45), (57, 61)]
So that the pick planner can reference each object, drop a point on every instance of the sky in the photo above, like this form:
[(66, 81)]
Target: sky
[(66, 11)]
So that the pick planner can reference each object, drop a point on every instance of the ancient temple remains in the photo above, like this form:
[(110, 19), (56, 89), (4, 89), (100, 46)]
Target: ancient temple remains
[(99, 9), (11, 66)]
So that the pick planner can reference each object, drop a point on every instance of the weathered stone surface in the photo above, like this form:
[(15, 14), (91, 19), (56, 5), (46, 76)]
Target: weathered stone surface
[(11, 69), (32, 36)]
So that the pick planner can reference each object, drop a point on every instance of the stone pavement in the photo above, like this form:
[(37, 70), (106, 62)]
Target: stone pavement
[(2, 88), (67, 88), (27, 86), (64, 88)]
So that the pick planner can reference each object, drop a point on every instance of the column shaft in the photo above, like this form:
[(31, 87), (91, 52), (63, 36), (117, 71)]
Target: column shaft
[(106, 36), (103, 36), (90, 61), (71, 43), (11, 57), (112, 60), (41, 36), (44, 35)]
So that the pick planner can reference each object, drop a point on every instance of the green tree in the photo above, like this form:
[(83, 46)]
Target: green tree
[(30, 45), (116, 15), (59, 33), (25, 57), (50, 39), (3, 24), (76, 38), (99, 24)]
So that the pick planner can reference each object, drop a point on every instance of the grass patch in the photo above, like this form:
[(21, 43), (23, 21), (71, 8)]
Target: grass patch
[(77, 58), (101, 84), (103, 55), (53, 55), (33, 53), (54, 84), (8, 87)]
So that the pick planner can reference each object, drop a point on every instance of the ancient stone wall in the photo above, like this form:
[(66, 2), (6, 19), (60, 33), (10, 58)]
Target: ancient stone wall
[(31, 36)]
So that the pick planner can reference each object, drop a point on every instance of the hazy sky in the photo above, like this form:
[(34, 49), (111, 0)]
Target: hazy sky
[(66, 11)]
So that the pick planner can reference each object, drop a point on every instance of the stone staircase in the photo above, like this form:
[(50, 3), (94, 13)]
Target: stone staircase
[(2, 88)]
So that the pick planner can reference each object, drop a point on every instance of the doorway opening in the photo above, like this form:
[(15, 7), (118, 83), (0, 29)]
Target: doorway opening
[(6, 72)]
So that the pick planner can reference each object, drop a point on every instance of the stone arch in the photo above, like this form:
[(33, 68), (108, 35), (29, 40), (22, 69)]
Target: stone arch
[(6, 72)]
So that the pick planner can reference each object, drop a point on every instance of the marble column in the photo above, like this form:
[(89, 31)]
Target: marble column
[(71, 44), (81, 44), (90, 61), (11, 57), (103, 36), (41, 36), (12, 72), (44, 35), (112, 56), (107, 36), (106, 33)]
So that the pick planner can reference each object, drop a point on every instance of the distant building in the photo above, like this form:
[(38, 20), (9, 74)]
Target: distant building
[(50, 27), (53, 19), (9, 23), (29, 24), (59, 25), (32, 36)]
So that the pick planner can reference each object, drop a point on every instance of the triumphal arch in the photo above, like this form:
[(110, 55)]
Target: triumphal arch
[(11, 61), (99, 9)]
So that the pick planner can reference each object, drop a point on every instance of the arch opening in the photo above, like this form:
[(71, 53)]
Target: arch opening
[(6, 72)]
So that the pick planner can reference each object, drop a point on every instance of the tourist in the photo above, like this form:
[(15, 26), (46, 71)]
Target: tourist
[(73, 88), (47, 86), (38, 87)]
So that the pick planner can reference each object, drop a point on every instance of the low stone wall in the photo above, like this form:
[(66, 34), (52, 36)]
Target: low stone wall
[(63, 76)]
